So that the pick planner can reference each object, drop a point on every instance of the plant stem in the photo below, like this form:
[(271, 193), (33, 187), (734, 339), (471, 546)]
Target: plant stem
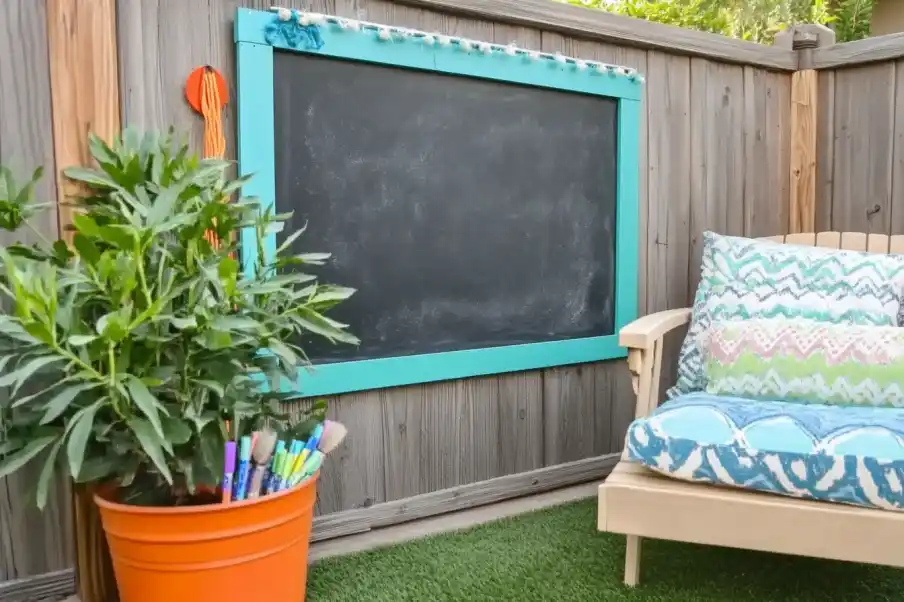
[(88, 368), (111, 358), (75, 359), (114, 395), (142, 278)]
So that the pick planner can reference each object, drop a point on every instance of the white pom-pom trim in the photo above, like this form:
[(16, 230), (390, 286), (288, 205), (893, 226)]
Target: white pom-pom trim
[(387, 34)]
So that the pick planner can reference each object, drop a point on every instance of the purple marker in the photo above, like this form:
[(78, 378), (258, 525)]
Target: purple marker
[(228, 470)]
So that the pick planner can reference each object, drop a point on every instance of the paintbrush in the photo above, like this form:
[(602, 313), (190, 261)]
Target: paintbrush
[(261, 453), (333, 434)]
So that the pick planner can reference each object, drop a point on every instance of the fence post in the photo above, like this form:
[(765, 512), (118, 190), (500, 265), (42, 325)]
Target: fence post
[(84, 91), (804, 94)]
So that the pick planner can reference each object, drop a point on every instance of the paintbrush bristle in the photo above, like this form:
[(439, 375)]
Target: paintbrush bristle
[(263, 447), (333, 434)]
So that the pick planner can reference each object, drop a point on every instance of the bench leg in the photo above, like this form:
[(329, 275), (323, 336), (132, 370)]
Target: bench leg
[(632, 561)]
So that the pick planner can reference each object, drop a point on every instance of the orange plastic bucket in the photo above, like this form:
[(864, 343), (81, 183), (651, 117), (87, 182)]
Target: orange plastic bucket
[(238, 552)]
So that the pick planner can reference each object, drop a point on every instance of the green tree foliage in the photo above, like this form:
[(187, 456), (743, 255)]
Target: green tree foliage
[(754, 20)]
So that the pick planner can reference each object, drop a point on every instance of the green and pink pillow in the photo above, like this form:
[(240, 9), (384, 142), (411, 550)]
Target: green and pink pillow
[(805, 361)]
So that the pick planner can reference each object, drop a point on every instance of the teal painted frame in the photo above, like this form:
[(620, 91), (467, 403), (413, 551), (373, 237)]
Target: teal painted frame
[(256, 154)]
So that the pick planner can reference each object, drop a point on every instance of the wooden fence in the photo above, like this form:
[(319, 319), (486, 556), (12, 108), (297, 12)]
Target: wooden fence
[(715, 155), (860, 158)]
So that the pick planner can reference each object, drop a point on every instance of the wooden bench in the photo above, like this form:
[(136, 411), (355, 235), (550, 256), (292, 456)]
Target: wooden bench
[(639, 503)]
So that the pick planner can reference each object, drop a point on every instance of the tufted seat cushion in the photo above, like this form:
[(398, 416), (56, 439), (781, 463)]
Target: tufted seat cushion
[(848, 454)]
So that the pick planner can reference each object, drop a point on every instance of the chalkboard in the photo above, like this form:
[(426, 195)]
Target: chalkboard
[(468, 213)]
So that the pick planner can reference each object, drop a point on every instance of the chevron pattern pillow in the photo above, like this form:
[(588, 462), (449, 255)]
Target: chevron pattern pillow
[(803, 361), (742, 278)]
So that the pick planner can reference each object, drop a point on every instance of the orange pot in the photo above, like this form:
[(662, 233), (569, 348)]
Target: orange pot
[(238, 552)]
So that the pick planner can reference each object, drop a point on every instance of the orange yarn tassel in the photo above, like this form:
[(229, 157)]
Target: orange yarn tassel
[(206, 93), (214, 141)]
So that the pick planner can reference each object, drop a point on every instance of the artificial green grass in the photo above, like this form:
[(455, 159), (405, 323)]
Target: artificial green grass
[(557, 554)]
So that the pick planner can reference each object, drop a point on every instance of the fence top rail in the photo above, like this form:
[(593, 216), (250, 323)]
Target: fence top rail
[(869, 50), (606, 27)]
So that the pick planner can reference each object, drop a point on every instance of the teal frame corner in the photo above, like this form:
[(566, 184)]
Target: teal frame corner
[(256, 155)]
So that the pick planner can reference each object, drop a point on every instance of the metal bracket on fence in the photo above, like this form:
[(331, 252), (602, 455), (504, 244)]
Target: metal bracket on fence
[(803, 39)]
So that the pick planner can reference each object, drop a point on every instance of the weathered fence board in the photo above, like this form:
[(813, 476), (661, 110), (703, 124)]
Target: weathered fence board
[(30, 542), (864, 118), (897, 165), (825, 150), (717, 155)]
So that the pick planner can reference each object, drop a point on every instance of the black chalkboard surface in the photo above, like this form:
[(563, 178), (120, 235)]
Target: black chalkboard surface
[(468, 213)]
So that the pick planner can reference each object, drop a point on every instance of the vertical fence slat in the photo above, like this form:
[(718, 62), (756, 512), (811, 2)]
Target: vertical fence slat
[(804, 98), (31, 542), (897, 184), (864, 118), (825, 150)]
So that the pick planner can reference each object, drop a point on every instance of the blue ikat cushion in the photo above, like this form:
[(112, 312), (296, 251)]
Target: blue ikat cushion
[(848, 454)]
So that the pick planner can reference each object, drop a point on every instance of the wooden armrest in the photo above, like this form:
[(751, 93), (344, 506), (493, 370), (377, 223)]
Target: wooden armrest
[(644, 339), (644, 332)]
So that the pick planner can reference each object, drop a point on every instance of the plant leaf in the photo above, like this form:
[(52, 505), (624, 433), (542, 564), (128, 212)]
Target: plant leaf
[(177, 430), (332, 293), (183, 323), (150, 443), (86, 225), (119, 236), (147, 403), (22, 374), (284, 352), (234, 323), (61, 401), (314, 322), (92, 177), (20, 458), (46, 477), (77, 340), (95, 469), (79, 430), (164, 203), (212, 385), (86, 248), (23, 400), (113, 326)]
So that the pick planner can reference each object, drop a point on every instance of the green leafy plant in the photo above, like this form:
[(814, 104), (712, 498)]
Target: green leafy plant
[(125, 357), (754, 20)]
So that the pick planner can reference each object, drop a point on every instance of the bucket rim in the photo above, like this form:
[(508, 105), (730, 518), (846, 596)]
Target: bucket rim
[(106, 504)]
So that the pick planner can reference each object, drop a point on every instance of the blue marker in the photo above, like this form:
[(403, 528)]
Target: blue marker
[(288, 465), (241, 482), (309, 447)]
